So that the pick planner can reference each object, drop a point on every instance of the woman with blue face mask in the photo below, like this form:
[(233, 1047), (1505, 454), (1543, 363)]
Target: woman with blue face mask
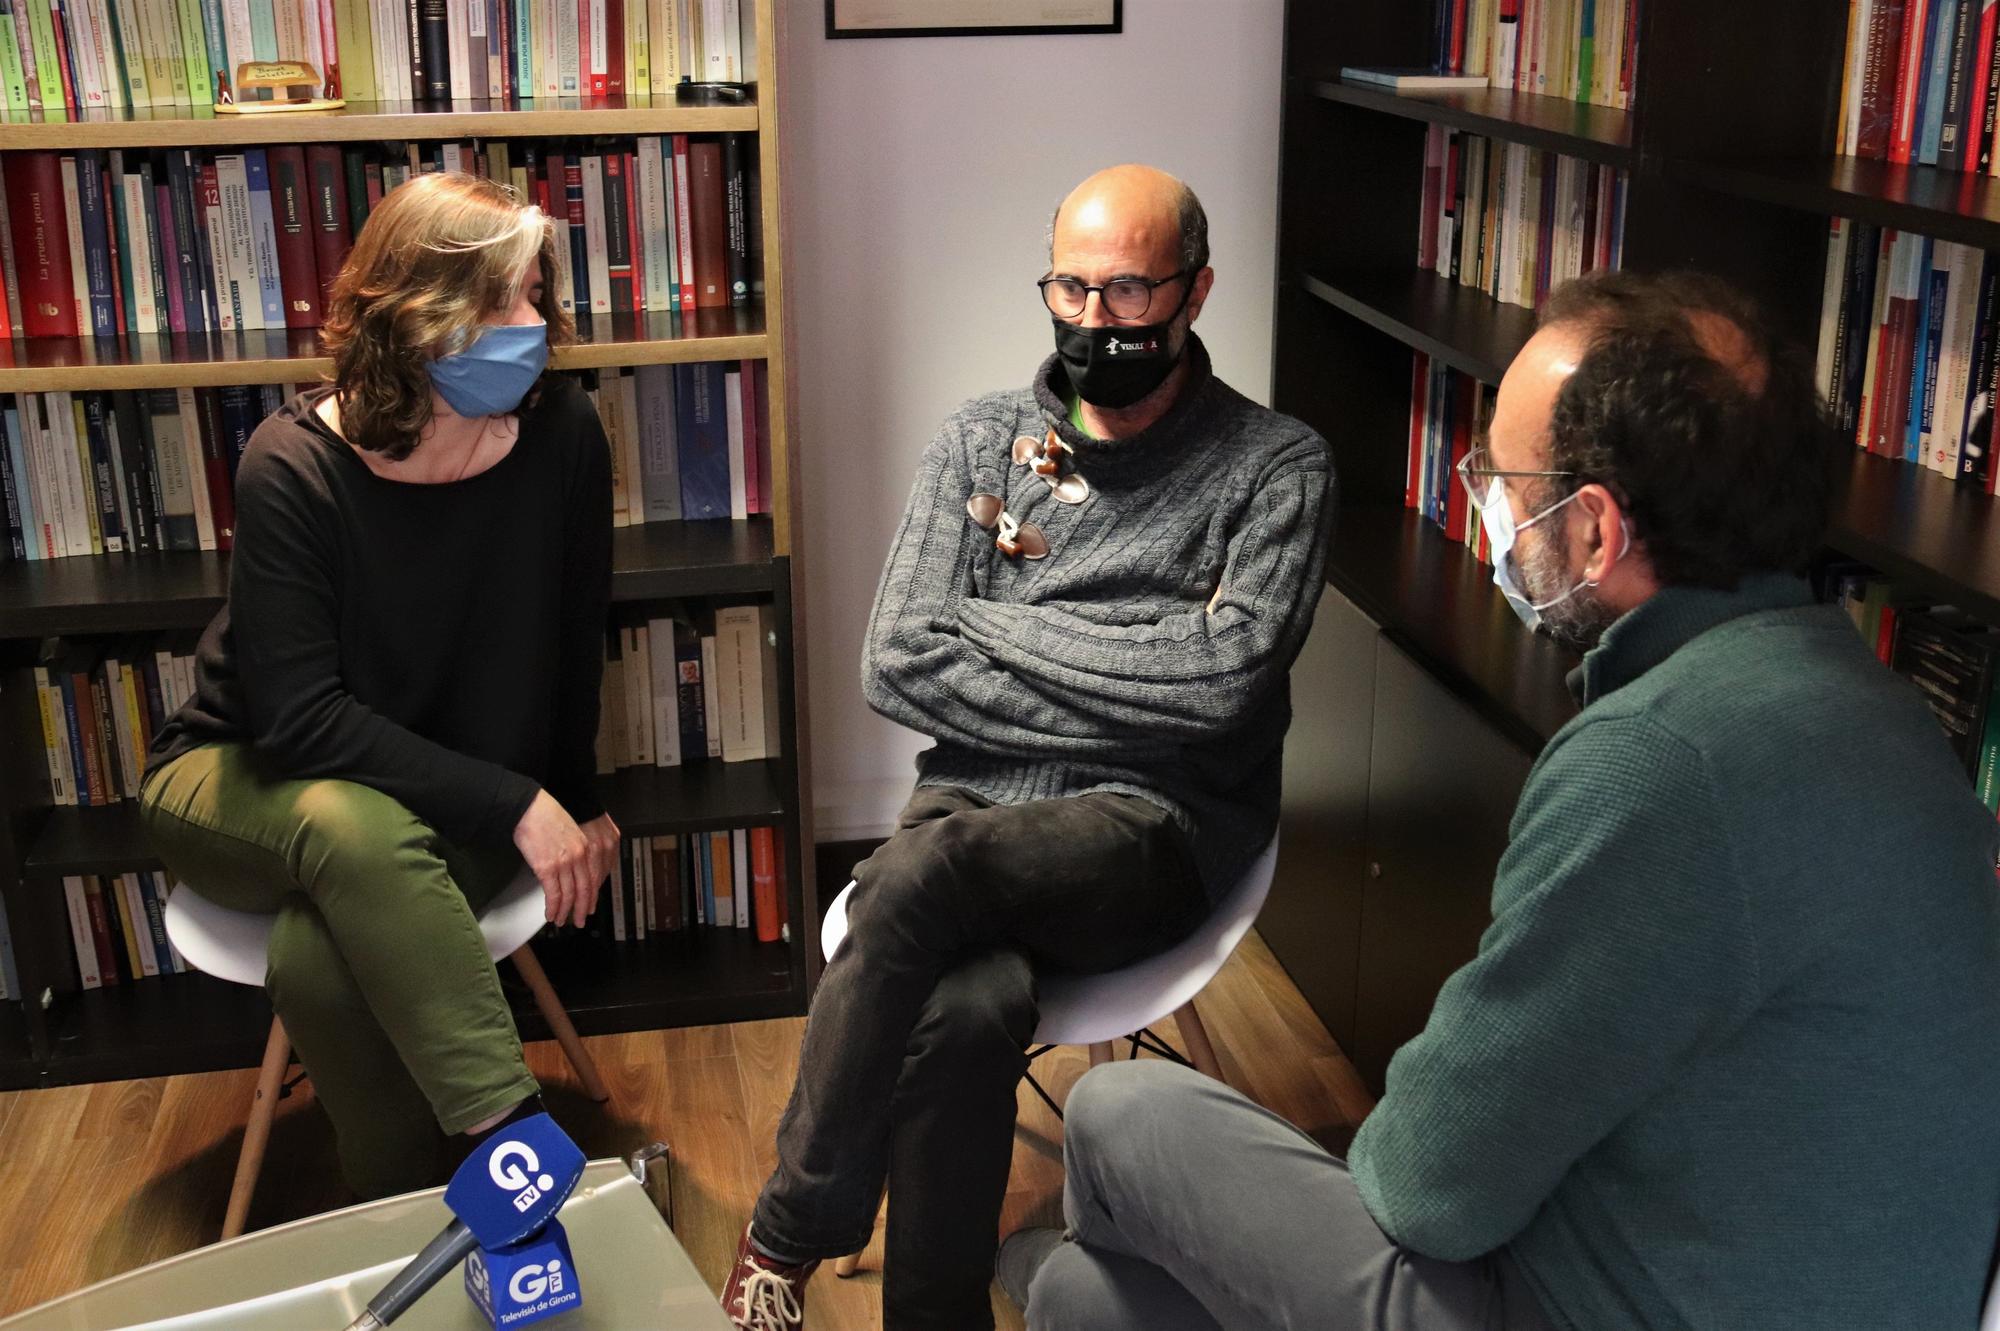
[(396, 707)]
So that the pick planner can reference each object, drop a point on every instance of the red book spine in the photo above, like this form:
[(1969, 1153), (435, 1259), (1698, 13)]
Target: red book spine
[(634, 229), (41, 243), (114, 221), (298, 271), (1457, 21), (1878, 75), (1913, 57), (593, 74), (1885, 636), (683, 217), (1978, 93), (100, 932), (711, 225), (331, 238), (59, 24), (614, 48), (764, 911), (1461, 443), (215, 466), (1892, 381)]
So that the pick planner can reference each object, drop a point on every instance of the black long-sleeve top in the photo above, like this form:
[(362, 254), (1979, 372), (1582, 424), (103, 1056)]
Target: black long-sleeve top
[(440, 643)]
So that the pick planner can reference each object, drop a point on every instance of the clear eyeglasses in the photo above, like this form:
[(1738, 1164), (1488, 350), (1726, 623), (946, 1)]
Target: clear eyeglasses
[(1477, 474)]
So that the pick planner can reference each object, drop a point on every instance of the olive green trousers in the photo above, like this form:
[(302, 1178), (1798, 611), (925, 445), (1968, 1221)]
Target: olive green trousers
[(377, 966)]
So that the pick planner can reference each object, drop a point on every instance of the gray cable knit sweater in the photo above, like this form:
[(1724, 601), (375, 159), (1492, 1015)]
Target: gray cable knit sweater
[(1101, 667)]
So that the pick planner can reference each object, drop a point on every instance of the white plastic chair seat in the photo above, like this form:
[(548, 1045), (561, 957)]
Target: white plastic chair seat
[(1091, 1009), (234, 945)]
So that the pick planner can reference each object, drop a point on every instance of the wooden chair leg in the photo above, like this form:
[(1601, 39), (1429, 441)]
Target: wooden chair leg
[(1100, 1053), (257, 1131), (560, 1025), (1200, 1052)]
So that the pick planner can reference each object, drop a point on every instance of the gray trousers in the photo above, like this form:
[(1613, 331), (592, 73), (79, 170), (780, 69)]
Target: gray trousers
[(1190, 1208)]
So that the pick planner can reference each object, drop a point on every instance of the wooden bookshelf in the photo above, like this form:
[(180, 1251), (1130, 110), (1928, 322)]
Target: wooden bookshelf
[(534, 117), (191, 1022), (290, 356), (1595, 133)]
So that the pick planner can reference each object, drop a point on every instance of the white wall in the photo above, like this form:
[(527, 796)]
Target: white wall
[(920, 173)]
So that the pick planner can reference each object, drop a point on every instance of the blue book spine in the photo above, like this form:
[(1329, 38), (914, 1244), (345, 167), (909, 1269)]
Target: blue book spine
[(103, 474), (704, 440), (156, 921), (1923, 401), (78, 763), (17, 458), (242, 409), (219, 72), (1928, 79), (264, 235), (1975, 454), (11, 493), (98, 272)]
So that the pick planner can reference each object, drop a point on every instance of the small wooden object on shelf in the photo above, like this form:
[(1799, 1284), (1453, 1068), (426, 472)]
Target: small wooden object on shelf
[(285, 77)]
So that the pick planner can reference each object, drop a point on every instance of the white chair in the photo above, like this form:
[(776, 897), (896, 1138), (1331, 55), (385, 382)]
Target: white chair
[(1095, 1010), (1991, 1320), (233, 945)]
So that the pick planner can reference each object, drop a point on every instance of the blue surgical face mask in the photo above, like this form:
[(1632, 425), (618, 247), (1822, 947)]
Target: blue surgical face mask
[(493, 372), (1497, 515)]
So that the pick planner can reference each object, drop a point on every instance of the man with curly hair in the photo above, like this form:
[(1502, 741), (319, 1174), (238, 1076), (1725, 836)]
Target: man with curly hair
[(1725, 1058)]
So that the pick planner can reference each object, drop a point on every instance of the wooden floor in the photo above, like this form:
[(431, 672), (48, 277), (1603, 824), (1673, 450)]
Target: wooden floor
[(125, 1173)]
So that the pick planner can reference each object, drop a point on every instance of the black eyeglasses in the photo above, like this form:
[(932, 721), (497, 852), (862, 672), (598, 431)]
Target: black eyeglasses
[(1123, 298)]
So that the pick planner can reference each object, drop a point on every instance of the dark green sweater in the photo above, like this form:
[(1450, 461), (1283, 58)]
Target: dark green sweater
[(1729, 1055)]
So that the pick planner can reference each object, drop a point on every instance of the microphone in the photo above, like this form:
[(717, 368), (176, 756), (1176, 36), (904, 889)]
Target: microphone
[(505, 1193)]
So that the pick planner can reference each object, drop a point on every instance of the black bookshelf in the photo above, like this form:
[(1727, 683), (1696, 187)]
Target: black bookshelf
[(1595, 133), (155, 1027), (688, 977), (1459, 325), (1950, 205)]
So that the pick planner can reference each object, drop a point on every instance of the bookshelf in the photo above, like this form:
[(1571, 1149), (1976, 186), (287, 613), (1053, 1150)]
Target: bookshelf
[(171, 1024), (1730, 153)]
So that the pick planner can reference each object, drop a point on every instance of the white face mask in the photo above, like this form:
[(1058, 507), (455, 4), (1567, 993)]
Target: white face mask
[(1497, 515)]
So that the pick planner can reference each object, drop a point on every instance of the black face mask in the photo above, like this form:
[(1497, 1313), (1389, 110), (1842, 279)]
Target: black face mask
[(1116, 365)]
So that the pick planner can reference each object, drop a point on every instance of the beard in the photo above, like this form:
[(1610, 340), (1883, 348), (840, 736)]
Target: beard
[(1580, 618)]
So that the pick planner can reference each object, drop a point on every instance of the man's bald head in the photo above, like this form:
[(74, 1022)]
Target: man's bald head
[(1139, 205)]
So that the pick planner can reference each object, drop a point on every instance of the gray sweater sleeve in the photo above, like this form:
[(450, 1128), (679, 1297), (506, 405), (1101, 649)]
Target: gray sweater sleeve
[(918, 668), (1191, 675)]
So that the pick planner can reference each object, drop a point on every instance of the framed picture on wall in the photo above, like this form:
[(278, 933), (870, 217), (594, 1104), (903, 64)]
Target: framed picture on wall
[(970, 18)]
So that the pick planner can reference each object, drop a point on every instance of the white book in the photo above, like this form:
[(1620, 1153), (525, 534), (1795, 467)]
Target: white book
[(737, 684), (1961, 329), (659, 451), (567, 56), (122, 753), (711, 703), (138, 227), (732, 40), (599, 55), (1410, 79), (104, 35), (229, 316), (666, 693), (1829, 305), (625, 390), (748, 32), (496, 75), (1857, 66), (289, 19), (197, 468), (593, 232), (35, 443), (547, 52), (638, 694), (48, 437), (652, 236), (170, 681), (80, 932), (55, 738), (79, 280), (565, 279), (315, 38), (237, 43), (664, 33), (739, 856), (732, 397), (138, 91), (456, 35), (142, 923), (185, 666), (77, 492), (638, 19), (453, 154), (240, 302), (714, 58)]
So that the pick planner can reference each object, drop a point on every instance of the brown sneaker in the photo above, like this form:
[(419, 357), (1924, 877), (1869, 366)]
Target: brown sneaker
[(762, 1295)]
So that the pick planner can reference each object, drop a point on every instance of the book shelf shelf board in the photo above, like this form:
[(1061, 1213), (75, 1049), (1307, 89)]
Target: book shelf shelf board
[(17, 1066), (1436, 602), (189, 127), (1911, 523), (1949, 205), (156, 1027), (1576, 129), (690, 977), (704, 796), (292, 356), (1459, 325), (183, 589), (97, 840)]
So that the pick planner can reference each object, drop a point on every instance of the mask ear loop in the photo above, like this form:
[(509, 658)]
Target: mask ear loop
[(1625, 529)]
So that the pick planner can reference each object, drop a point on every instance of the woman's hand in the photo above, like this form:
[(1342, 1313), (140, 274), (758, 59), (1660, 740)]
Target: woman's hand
[(603, 836), (562, 858)]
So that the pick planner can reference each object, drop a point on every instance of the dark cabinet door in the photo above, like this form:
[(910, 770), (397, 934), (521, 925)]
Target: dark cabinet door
[(1442, 784), (1312, 920)]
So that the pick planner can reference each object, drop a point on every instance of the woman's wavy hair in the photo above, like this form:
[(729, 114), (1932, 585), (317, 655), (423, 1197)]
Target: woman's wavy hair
[(439, 257)]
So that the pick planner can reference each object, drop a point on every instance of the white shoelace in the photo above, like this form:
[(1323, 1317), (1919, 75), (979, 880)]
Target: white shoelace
[(767, 1303)]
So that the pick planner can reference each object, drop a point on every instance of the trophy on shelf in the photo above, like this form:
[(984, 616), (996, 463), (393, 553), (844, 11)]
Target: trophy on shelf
[(295, 85)]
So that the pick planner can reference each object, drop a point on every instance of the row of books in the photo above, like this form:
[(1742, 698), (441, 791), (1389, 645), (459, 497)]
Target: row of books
[(118, 929), (100, 704), (688, 441), (732, 879), (1515, 221), (1580, 50), (98, 242), (1952, 659), (1909, 347), (1920, 82), (65, 56), (690, 684), (1448, 411), (138, 470)]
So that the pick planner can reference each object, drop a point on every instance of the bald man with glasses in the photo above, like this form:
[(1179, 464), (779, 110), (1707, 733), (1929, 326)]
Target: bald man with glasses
[(1098, 587)]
